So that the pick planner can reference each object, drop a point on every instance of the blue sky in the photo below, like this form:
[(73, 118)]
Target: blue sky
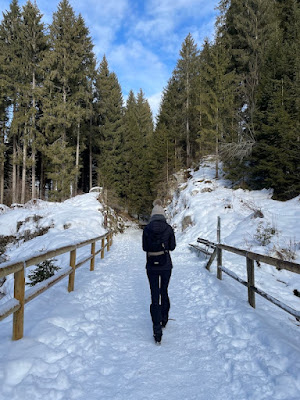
[(141, 39)]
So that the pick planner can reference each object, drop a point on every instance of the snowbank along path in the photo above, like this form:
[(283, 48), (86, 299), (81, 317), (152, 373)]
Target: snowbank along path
[(96, 342)]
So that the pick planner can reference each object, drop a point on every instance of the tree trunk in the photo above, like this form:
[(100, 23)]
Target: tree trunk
[(42, 183), (18, 182), (77, 159), (2, 182), (14, 172), (188, 144), (90, 157), (33, 168), (217, 157), (24, 172), (64, 135), (167, 161)]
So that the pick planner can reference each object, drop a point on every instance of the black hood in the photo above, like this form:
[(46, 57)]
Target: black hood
[(158, 225)]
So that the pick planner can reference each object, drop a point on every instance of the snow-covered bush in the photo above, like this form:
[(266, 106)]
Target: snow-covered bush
[(264, 233), (44, 270)]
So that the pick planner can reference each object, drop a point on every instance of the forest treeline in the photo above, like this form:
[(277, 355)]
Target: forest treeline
[(64, 126)]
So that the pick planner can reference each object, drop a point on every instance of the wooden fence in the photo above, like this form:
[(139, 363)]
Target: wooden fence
[(215, 250), (16, 305)]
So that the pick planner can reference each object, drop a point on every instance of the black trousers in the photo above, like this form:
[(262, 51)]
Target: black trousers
[(159, 309)]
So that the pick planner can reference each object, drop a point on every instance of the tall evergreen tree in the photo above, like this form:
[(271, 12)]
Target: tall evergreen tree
[(11, 48), (186, 73), (216, 95), (137, 137), (83, 88), (109, 107), (275, 160), (130, 129), (34, 47), (143, 160), (62, 96), (249, 29), (168, 126)]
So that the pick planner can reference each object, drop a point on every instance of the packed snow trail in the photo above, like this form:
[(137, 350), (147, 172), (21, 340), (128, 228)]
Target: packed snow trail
[(96, 342)]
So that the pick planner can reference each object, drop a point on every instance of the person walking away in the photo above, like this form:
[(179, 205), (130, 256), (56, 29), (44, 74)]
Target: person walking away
[(158, 241)]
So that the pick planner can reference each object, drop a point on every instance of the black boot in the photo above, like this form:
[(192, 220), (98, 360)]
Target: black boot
[(155, 311), (157, 333), (164, 323), (157, 338)]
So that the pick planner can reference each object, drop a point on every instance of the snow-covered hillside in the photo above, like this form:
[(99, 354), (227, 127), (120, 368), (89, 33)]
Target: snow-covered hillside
[(43, 226), (250, 220)]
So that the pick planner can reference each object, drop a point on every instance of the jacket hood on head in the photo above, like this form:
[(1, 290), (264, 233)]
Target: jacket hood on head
[(158, 224)]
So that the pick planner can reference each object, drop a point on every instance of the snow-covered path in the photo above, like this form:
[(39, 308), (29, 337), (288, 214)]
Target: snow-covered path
[(96, 343)]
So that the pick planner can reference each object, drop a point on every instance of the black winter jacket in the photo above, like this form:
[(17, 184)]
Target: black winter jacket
[(158, 225)]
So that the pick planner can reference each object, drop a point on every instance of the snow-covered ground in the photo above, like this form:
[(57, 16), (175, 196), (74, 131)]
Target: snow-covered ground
[(96, 342)]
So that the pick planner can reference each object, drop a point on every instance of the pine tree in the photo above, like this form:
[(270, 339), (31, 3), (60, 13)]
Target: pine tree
[(186, 73), (142, 162), (109, 107), (249, 28), (168, 123), (136, 153), (61, 111), (11, 48), (216, 96), (130, 132), (4, 116), (275, 160), (43, 271), (34, 40), (83, 87)]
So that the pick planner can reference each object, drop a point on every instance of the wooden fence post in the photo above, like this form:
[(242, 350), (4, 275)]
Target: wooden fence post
[(92, 265), (212, 257), (19, 294), (72, 274), (251, 282), (108, 242), (102, 247), (219, 251)]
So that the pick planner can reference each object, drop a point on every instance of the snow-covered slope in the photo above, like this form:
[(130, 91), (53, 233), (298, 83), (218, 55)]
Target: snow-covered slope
[(250, 220), (43, 226)]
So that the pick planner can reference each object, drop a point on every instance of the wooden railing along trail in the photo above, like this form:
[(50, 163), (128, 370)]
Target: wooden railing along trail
[(21, 297), (215, 250)]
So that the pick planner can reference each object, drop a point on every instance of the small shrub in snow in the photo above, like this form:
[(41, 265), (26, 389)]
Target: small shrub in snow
[(257, 213), (264, 234), (44, 270), (287, 253)]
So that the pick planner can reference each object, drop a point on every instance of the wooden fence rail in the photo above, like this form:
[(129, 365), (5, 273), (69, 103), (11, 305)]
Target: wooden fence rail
[(215, 250), (16, 305)]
